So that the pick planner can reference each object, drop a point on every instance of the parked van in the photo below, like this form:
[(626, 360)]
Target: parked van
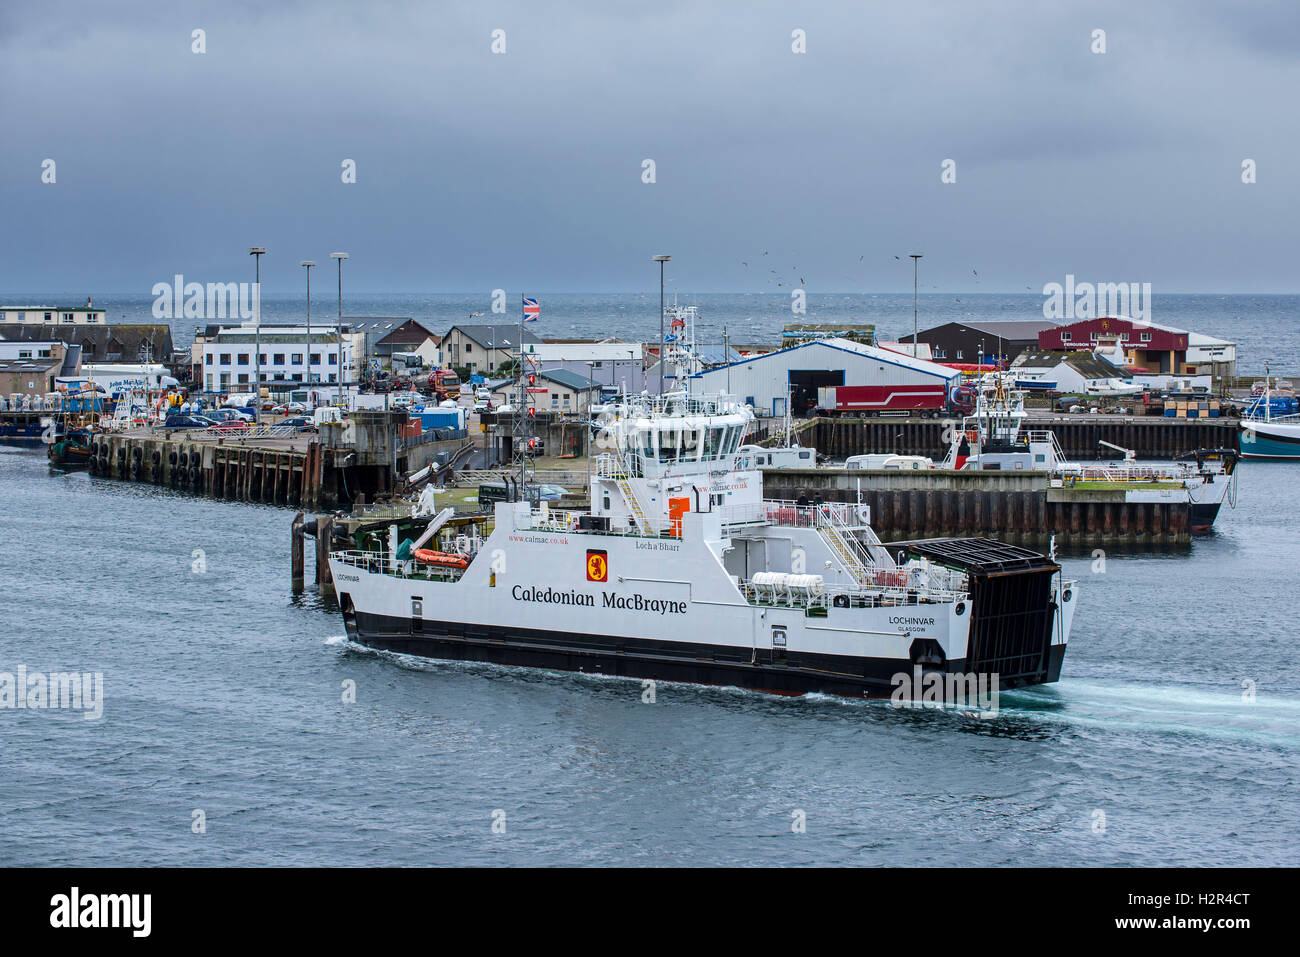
[(889, 463), (489, 493)]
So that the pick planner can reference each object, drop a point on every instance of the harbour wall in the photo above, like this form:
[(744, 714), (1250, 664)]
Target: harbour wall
[(1019, 508), (311, 475)]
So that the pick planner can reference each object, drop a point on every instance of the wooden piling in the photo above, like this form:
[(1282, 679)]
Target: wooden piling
[(296, 559), (324, 535)]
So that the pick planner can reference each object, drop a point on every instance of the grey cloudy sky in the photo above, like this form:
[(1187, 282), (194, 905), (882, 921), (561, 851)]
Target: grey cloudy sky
[(523, 170)]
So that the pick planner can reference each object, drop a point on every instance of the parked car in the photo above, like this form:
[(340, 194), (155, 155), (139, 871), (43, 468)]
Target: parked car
[(552, 493), (301, 423), (229, 415), (232, 425), (182, 420)]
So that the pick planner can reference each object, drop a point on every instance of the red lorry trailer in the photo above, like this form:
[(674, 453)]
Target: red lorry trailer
[(862, 400)]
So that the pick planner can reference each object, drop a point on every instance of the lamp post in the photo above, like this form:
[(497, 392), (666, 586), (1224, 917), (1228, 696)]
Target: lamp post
[(257, 252), (915, 257), (661, 260), (307, 264), (338, 389)]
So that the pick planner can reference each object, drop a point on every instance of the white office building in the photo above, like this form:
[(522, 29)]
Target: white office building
[(230, 363)]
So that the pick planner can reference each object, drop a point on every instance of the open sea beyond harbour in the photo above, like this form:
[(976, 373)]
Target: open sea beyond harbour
[(1266, 328), (223, 695)]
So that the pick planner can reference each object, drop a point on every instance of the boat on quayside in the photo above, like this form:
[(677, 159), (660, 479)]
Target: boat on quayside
[(679, 569), (994, 437)]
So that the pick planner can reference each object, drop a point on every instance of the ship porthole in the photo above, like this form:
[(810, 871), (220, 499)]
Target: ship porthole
[(1068, 595), (961, 608)]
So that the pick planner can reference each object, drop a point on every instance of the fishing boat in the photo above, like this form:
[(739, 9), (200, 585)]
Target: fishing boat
[(70, 429), (680, 569), (994, 438), (1270, 425)]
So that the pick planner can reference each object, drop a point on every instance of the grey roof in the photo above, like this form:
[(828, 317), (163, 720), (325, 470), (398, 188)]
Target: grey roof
[(128, 335), (71, 359), (506, 332), (51, 308), (276, 338), (377, 323), (1014, 329), (572, 380), (1087, 364), (28, 365)]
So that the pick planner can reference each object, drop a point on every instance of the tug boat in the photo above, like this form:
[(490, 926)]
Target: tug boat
[(993, 437), (679, 569)]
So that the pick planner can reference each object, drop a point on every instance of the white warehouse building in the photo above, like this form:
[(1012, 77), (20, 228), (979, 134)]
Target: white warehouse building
[(764, 381)]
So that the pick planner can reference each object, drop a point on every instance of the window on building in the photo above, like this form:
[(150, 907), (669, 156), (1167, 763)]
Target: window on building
[(279, 358), (1146, 337), (297, 359), (959, 354), (315, 358), (555, 399), (24, 353), (243, 358), (468, 347), (1092, 336), (939, 353), (49, 316), (1065, 337), (209, 381), (209, 357), (1124, 336), (261, 358), (243, 378), (225, 358), (334, 358), (67, 317), (279, 375), (333, 377)]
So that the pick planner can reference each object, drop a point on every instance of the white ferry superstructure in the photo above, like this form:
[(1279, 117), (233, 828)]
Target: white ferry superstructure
[(680, 570)]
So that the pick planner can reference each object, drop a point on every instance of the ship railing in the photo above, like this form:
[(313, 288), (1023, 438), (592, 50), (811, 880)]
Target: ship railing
[(1124, 473), (851, 596), (566, 522), (844, 516), (378, 563)]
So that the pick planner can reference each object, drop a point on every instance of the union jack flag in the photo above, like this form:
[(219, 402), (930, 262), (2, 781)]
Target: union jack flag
[(532, 311)]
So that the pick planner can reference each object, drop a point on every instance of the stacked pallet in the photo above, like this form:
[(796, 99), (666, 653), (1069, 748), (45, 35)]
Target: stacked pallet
[(1192, 409)]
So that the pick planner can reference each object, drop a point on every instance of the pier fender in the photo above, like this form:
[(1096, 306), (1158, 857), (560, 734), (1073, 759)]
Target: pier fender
[(171, 458)]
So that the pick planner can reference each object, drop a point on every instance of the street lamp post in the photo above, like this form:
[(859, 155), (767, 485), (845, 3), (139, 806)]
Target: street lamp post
[(915, 257), (307, 264), (338, 389), (257, 252), (661, 260)]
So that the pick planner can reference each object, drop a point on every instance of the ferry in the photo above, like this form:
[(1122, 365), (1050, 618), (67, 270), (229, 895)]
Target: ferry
[(993, 437), (680, 569), (1270, 427)]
